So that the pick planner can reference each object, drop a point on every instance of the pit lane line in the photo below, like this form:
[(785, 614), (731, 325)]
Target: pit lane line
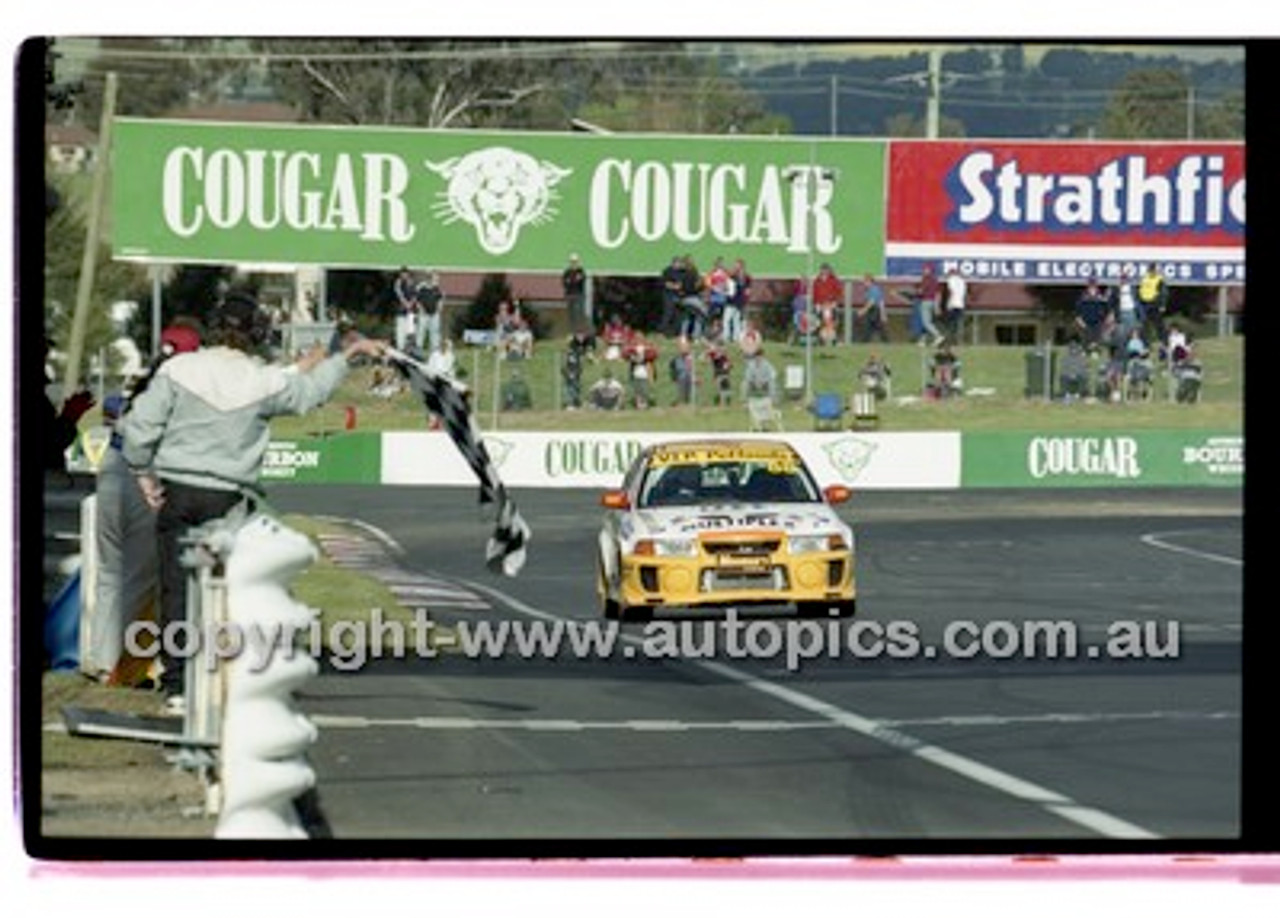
[(1051, 801)]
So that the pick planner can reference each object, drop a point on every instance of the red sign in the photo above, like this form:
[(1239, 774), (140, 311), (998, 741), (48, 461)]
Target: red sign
[(1148, 195)]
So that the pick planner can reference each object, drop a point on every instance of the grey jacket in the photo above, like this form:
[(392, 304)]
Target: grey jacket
[(204, 419)]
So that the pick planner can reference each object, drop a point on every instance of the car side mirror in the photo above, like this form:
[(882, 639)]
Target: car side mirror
[(836, 494), (615, 500)]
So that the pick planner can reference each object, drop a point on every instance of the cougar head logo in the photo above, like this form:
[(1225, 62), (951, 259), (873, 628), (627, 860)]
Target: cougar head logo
[(849, 456), (498, 190)]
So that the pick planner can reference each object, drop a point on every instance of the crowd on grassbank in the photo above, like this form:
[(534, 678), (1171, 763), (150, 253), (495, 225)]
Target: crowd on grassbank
[(1123, 338)]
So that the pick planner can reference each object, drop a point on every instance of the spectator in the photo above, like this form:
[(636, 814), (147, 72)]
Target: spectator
[(615, 337), (575, 355), (944, 372), (124, 530), (875, 376), (802, 315), (1075, 373), (759, 378), (957, 293), (718, 284), (1091, 315), (195, 439), (828, 295), (693, 310), (406, 308), (430, 307), (520, 345), (751, 340), (1176, 345), (926, 305), (641, 357), (871, 317), (681, 370), (1153, 302), (574, 282), (1188, 375), (516, 395), (720, 369), (672, 294), (1126, 304), (504, 327), (735, 311), (607, 393), (60, 424)]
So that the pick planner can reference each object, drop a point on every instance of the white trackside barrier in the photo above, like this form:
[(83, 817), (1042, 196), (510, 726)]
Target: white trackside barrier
[(264, 740)]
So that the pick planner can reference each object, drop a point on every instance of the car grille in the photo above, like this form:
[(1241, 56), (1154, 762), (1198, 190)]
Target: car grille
[(754, 548)]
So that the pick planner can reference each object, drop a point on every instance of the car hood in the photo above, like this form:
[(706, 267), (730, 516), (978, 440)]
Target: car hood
[(793, 519)]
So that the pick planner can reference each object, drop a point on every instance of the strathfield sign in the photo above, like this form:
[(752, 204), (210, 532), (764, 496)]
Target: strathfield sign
[(382, 197)]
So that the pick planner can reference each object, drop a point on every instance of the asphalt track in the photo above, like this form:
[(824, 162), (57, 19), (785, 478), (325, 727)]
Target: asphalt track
[(900, 740)]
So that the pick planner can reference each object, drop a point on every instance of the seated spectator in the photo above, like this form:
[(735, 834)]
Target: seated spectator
[(944, 373), (607, 393), (616, 336), (875, 375), (1188, 375), (1075, 372), (515, 393), (759, 378)]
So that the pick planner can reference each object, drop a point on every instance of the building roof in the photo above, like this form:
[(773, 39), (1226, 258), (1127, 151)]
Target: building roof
[(237, 111), (69, 135)]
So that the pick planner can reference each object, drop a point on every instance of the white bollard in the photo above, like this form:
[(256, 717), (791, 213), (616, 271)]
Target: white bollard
[(264, 740)]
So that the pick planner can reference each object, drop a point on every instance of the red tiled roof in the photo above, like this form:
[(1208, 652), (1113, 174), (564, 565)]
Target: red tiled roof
[(69, 135)]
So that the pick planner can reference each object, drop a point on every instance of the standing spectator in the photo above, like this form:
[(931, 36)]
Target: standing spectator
[(957, 291), (196, 438), (1125, 303), (672, 294), (430, 307), (575, 355), (1091, 315), (641, 356), (720, 368), (801, 310), (751, 340), (718, 284), (828, 294), (926, 297), (406, 307), (692, 308), (682, 369), (872, 316), (1153, 302), (124, 534), (735, 311), (574, 282)]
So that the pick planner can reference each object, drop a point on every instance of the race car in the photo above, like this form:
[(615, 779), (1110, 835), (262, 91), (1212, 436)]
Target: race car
[(703, 526)]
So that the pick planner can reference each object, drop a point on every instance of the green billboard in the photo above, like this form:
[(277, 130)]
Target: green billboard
[(353, 458), (1016, 460), (380, 197)]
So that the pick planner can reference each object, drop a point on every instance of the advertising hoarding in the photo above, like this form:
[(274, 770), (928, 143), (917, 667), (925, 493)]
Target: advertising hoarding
[(1061, 212)]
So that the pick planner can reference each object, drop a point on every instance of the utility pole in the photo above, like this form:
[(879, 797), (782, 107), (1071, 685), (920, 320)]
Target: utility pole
[(84, 288), (935, 94)]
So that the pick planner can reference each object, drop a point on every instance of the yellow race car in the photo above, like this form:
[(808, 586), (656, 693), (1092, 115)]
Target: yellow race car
[(709, 525)]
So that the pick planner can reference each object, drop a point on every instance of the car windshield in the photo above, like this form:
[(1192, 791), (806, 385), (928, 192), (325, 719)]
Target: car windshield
[(774, 480)]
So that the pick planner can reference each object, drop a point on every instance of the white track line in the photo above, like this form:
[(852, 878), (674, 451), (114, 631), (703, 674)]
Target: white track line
[(1157, 540), (1051, 801)]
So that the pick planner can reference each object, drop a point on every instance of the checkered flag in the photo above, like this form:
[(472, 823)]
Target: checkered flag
[(506, 550)]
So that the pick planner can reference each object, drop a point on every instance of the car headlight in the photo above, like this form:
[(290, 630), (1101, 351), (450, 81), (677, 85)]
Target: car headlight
[(667, 548), (803, 545)]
